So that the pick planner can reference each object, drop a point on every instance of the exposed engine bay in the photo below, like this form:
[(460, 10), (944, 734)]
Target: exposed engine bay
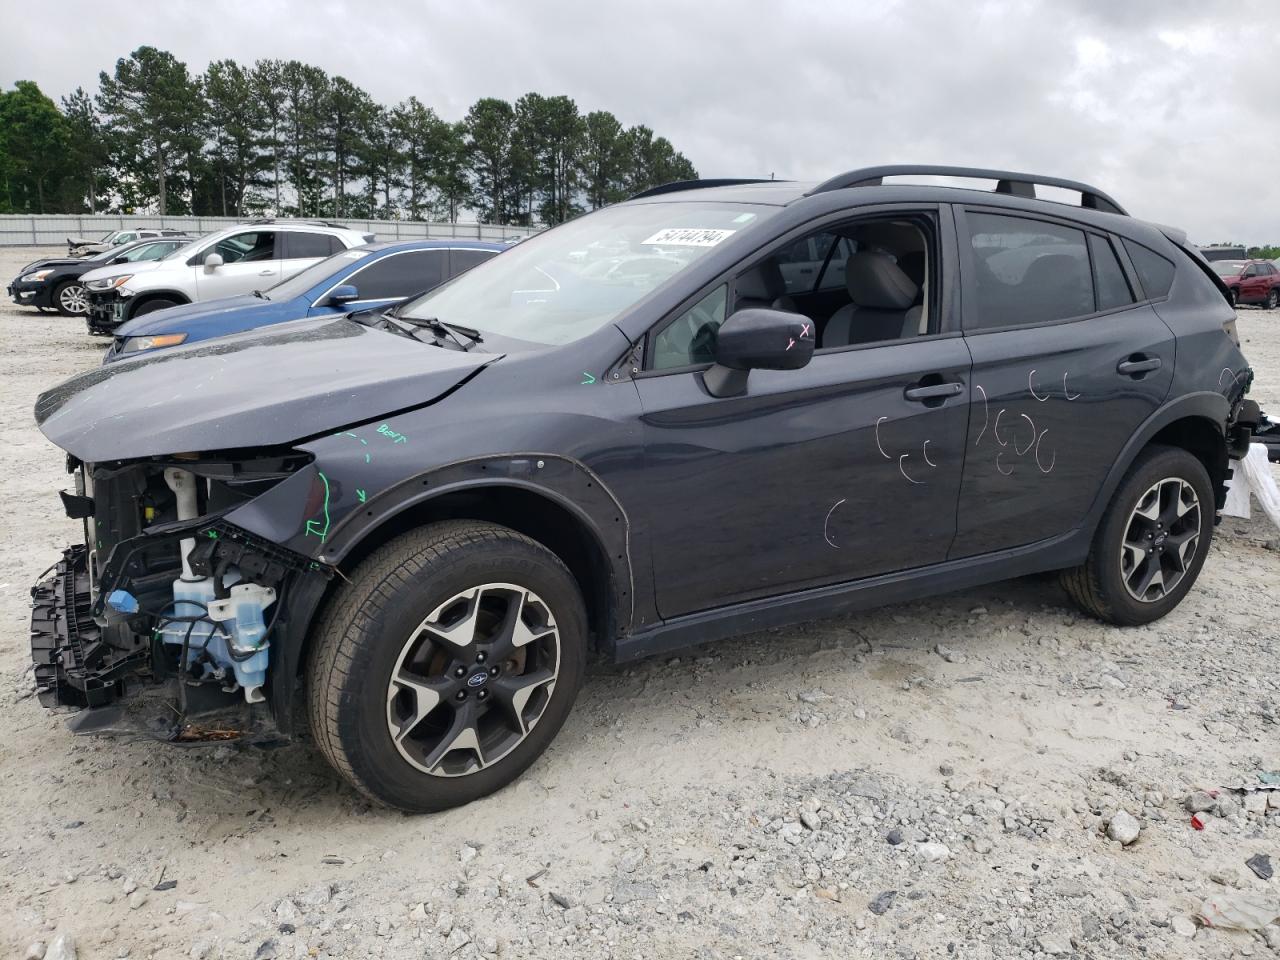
[(166, 604)]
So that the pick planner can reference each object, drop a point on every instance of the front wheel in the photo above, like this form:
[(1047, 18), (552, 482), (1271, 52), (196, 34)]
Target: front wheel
[(1273, 298), (70, 299), (151, 306), (446, 665), (1152, 541)]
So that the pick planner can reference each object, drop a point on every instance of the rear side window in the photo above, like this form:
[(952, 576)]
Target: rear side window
[(1108, 276), (400, 275), (1028, 271), (303, 245), (1155, 273), (464, 260)]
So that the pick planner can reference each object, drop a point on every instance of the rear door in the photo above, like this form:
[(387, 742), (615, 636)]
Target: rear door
[(250, 261), (462, 259), (302, 248), (1069, 357)]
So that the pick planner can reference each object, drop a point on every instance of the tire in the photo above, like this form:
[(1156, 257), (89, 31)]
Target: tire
[(69, 299), (1273, 299), (151, 306), (383, 735), (1106, 585)]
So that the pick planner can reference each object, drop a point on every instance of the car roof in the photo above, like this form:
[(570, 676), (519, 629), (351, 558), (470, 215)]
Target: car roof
[(384, 245)]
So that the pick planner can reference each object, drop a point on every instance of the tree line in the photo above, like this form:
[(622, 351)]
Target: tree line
[(287, 138)]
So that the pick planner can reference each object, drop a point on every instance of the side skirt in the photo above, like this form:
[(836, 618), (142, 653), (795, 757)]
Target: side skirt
[(820, 603)]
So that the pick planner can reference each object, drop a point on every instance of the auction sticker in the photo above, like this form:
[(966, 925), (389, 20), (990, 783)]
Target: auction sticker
[(689, 237)]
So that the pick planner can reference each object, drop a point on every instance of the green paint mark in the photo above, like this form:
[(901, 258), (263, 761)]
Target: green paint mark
[(361, 439), (314, 526), (362, 495), (367, 458), (392, 435), (211, 534), (590, 379)]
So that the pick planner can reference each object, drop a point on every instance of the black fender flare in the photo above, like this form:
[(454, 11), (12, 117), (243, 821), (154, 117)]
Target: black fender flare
[(1211, 407), (143, 297)]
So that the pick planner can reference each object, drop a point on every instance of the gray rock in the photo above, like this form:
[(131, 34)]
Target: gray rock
[(1054, 946), (631, 859), (266, 951), (949, 654), (201, 950), (894, 837), (1183, 926), (933, 852), (1260, 864), (137, 899), (444, 923), (458, 939), (34, 951), (882, 902), (467, 853), (810, 819), (1199, 802), (317, 896), (63, 947), (1124, 827), (627, 891)]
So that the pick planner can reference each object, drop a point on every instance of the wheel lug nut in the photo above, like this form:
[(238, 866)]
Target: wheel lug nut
[(493, 671), (480, 657), (462, 694), (482, 694), (460, 672)]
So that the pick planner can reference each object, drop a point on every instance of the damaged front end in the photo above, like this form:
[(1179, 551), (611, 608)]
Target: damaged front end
[(168, 619)]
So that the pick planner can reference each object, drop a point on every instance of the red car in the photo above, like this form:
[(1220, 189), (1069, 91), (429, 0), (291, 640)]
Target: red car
[(1250, 281)]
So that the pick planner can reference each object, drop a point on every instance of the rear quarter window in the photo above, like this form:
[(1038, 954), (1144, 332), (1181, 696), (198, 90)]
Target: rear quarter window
[(1155, 272)]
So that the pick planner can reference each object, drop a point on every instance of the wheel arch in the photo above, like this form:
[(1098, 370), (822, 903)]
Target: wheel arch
[(175, 295), (1195, 422)]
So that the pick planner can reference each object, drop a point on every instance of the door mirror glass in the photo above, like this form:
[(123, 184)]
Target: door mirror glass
[(758, 338), (212, 261), (344, 293)]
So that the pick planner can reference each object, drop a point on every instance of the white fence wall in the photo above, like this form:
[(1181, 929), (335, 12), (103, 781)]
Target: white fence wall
[(53, 230)]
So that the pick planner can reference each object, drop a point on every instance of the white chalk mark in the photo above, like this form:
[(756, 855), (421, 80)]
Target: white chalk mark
[(1234, 377), (1029, 443), (904, 472), (826, 526), (925, 451), (878, 447), (1001, 469), (1055, 453), (995, 430), (1067, 393), (986, 413), (1032, 388)]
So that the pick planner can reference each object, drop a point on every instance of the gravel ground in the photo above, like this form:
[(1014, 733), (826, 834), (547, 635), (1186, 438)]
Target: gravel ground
[(935, 779)]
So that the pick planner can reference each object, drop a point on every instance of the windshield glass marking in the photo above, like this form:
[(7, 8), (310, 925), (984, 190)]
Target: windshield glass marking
[(566, 283)]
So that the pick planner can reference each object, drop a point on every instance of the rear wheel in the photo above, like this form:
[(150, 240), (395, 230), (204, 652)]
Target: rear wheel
[(151, 306), (446, 665), (70, 299), (1151, 543)]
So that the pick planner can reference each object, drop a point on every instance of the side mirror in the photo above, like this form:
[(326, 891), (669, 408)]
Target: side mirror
[(344, 293), (761, 339), (212, 261)]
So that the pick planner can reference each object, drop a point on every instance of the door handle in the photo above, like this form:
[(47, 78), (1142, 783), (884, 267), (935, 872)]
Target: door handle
[(265, 273), (934, 391), (1138, 365)]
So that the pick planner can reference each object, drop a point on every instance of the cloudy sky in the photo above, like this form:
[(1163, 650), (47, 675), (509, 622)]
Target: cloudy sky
[(1172, 106)]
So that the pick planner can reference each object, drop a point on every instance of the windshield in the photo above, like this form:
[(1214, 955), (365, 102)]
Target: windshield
[(315, 274), (1228, 268), (568, 282)]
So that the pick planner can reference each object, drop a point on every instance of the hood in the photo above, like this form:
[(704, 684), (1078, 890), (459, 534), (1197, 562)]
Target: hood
[(254, 311), (267, 387), (45, 264), (118, 269)]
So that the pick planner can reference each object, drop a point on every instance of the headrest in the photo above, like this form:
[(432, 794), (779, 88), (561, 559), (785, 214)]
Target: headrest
[(763, 282), (875, 281)]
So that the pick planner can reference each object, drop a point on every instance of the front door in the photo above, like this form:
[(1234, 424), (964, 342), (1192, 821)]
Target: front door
[(1066, 365), (250, 261)]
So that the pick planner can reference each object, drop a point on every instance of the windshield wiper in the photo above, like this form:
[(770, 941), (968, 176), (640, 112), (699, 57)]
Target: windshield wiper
[(455, 331)]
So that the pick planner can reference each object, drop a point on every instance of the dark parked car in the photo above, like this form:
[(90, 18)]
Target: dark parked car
[(370, 277), (55, 284), (1250, 281), (426, 519)]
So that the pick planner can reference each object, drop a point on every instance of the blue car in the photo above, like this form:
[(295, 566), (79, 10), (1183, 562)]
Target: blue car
[(362, 278)]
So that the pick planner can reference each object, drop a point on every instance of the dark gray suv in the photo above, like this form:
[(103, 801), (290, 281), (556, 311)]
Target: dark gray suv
[(715, 408)]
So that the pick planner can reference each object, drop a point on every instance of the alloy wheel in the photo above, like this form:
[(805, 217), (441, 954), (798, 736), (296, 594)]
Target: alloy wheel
[(72, 299), (1160, 539), (473, 679)]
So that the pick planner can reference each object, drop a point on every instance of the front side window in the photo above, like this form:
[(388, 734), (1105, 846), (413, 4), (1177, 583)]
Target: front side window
[(400, 275), (250, 247), (147, 251), (1108, 275), (1027, 271), (566, 283), (691, 337)]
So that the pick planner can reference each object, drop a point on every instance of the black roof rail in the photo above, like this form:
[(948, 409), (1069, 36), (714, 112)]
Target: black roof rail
[(1015, 184), (677, 185)]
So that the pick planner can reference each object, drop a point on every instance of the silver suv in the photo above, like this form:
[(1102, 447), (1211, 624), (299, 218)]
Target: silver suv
[(240, 259)]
